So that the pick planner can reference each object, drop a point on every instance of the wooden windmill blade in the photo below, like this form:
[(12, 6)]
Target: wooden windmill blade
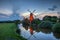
[(33, 11)]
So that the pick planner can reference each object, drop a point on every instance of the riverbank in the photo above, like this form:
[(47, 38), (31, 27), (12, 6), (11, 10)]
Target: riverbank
[(8, 31)]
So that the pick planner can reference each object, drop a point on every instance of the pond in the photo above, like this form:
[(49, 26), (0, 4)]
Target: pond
[(43, 34)]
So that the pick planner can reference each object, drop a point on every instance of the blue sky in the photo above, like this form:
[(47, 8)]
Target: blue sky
[(30, 4), (7, 6)]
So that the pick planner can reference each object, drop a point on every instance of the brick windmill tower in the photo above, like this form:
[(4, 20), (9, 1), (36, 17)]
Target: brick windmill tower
[(31, 18)]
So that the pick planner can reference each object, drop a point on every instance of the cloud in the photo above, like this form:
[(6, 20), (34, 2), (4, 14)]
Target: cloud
[(48, 13), (6, 12), (27, 14)]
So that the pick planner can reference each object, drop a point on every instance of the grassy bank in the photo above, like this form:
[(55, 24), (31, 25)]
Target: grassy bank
[(8, 32)]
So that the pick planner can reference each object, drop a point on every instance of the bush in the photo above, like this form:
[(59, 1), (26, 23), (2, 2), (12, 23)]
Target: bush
[(50, 18), (17, 21), (56, 35), (56, 27), (59, 20), (25, 22), (46, 31), (47, 18), (45, 24), (54, 19), (35, 23)]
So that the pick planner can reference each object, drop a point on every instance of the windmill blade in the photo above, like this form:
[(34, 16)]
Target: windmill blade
[(33, 11), (29, 10), (35, 37)]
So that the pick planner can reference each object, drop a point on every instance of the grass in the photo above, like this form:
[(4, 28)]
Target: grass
[(8, 32)]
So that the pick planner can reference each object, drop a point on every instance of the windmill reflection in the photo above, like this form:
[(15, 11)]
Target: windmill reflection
[(31, 23)]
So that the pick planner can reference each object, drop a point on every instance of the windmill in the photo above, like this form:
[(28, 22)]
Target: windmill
[(31, 14), (31, 19)]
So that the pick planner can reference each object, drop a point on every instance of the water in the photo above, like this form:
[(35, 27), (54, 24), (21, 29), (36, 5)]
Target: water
[(44, 34)]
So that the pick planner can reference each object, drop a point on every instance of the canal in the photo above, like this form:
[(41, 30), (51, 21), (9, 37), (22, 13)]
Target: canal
[(43, 34)]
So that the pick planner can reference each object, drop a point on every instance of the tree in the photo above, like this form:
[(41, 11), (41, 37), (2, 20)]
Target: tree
[(35, 23), (47, 18), (17, 22), (54, 19), (45, 24), (25, 23), (50, 18), (56, 28), (58, 19)]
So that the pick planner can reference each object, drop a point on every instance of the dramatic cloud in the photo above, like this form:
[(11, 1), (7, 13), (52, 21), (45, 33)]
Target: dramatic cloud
[(40, 16), (6, 12)]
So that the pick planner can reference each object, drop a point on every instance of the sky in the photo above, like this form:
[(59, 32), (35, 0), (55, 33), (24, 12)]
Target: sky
[(11, 7)]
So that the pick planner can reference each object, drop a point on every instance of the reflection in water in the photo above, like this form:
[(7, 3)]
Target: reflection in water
[(57, 35), (47, 31), (44, 34), (31, 30)]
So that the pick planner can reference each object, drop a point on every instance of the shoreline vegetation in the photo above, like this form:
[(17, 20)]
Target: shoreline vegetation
[(8, 31)]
